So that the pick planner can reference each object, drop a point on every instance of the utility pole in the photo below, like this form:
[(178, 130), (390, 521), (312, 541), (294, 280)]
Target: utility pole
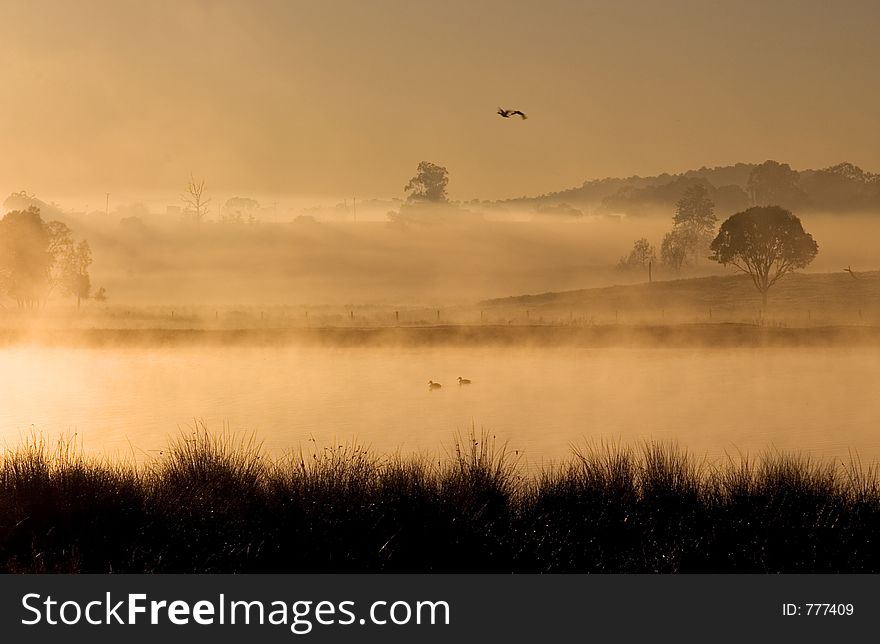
[(354, 205), (107, 205)]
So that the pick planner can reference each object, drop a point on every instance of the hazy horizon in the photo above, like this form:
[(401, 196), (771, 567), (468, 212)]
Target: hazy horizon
[(290, 205), (343, 98)]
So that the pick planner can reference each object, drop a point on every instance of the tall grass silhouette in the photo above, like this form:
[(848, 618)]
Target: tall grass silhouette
[(217, 503)]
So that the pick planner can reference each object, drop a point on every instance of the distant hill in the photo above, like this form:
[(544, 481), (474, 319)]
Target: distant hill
[(840, 188), (797, 298), (728, 199)]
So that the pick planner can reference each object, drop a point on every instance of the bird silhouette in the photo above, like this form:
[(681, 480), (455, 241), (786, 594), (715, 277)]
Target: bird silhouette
[(434, 385), (508, 113), (463, 381), (852, 273)]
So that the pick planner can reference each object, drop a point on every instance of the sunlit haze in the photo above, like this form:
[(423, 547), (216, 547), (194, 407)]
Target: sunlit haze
[(411, 285), (343, 98)]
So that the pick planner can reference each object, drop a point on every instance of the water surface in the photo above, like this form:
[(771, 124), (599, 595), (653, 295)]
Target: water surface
[(124, 401)]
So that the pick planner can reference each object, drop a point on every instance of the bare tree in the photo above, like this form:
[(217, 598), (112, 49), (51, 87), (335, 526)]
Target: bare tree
[(194, 197)]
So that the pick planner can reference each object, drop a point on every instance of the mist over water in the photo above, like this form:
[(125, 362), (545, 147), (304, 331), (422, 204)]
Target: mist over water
[(129, 401), (312, 273), (436, 270)]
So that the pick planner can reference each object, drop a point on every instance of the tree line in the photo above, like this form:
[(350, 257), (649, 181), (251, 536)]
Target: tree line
[(840, 188)]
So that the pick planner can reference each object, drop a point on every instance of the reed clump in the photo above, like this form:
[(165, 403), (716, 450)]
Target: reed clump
[(217, 503)]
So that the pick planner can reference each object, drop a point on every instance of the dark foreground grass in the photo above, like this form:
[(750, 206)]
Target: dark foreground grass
[(217, 505)]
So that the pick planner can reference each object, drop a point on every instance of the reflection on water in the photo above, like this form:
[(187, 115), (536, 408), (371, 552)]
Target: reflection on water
[(119, 400)]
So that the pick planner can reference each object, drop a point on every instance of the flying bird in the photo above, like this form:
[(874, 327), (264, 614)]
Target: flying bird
[(508, 113), (852, 273)]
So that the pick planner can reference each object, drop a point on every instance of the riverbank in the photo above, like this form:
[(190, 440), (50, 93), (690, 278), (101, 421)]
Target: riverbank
[(673, 335)]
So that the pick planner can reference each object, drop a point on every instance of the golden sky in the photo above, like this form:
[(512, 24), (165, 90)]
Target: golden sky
[(346, 97)]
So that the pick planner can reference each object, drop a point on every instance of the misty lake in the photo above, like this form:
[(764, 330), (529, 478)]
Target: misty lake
[(128, 401)]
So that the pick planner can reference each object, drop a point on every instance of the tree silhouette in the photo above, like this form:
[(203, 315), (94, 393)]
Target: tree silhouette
[(696, 211), (429, 184), (238, 210), (33, 255), (641, 256), (774, 183), (37, 257), (675, 248), (25, 259), (767, 242), (194, 197), (842, 187), (693, 225), (60, 247), (75, 271)]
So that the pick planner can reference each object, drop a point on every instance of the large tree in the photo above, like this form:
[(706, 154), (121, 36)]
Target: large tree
[(36, 256), (766, 242), (25, 256), (429, 184)]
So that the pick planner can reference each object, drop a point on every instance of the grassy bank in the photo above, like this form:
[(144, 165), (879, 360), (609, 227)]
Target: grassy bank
[(799, 299), (218, 505)]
